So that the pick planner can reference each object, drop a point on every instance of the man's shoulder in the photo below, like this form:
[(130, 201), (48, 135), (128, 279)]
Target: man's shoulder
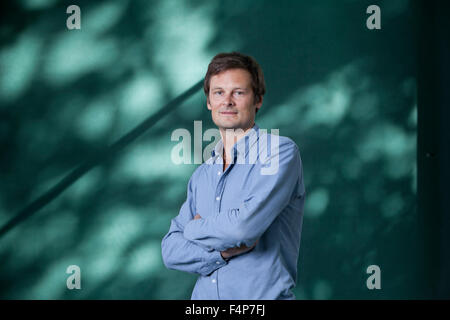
[(199, 171), (277, 143), (288, 143)]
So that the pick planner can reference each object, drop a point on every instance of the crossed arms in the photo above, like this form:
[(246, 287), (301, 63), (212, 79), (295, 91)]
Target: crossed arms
[(231, 252), (199, 245)]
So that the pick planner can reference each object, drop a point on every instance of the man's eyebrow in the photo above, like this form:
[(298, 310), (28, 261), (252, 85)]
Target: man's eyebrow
[(241, 88)]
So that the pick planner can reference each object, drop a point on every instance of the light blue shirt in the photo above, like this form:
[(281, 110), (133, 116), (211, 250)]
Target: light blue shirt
[(250, 200)]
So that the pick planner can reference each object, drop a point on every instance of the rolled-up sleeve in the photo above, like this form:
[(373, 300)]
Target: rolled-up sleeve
[(264, 200), (182, 254)]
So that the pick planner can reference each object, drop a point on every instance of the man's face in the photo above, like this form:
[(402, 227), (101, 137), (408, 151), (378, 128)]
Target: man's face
[(231, 100)]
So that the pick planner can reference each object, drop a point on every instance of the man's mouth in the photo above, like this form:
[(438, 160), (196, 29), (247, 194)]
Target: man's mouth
[(228, 113)]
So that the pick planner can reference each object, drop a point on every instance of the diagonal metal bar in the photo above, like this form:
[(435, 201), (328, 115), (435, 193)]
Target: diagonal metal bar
[(95, 160)]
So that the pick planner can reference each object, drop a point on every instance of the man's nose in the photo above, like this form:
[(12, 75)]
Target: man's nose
[(228, 99)]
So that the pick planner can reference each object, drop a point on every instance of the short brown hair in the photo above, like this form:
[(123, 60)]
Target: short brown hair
[(236, 60)]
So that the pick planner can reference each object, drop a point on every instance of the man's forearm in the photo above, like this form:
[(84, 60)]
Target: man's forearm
[(231, 252), (184, 255)]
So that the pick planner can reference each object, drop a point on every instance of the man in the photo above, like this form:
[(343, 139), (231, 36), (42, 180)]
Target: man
[(240, 227)]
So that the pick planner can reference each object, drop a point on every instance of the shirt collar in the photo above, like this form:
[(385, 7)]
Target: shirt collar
[(252, 136)]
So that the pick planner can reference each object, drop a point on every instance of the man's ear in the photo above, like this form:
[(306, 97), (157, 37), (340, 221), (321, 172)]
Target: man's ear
[(259, 104), (208, 105)]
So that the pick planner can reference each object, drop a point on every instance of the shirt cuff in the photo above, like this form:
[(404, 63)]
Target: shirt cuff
[(214, 262)]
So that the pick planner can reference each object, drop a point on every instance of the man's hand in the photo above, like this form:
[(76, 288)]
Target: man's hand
[(231, 252)]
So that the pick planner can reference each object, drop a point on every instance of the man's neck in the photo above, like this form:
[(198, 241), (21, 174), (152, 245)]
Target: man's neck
[(229, 138)]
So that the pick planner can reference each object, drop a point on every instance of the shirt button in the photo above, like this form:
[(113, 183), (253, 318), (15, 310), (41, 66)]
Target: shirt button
[(218, 198), (218, 173), (217, 262), (213, 280)]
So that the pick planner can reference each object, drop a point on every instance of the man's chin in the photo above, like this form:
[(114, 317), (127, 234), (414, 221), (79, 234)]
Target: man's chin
[(230, 127), (227, 125)]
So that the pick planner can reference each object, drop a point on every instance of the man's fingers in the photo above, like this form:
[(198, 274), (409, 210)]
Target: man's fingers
[(231, 252)]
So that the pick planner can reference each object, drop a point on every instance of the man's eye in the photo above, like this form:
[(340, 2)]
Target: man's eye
[(239, 93), (218, 93)]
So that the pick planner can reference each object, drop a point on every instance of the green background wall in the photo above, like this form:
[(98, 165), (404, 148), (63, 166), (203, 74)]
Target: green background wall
[(345, 94)]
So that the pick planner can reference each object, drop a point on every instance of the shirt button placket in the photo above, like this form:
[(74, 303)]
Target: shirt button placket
[(218, 193)]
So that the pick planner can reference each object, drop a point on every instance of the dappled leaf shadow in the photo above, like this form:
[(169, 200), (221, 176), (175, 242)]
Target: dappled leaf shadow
[(344, 94)]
